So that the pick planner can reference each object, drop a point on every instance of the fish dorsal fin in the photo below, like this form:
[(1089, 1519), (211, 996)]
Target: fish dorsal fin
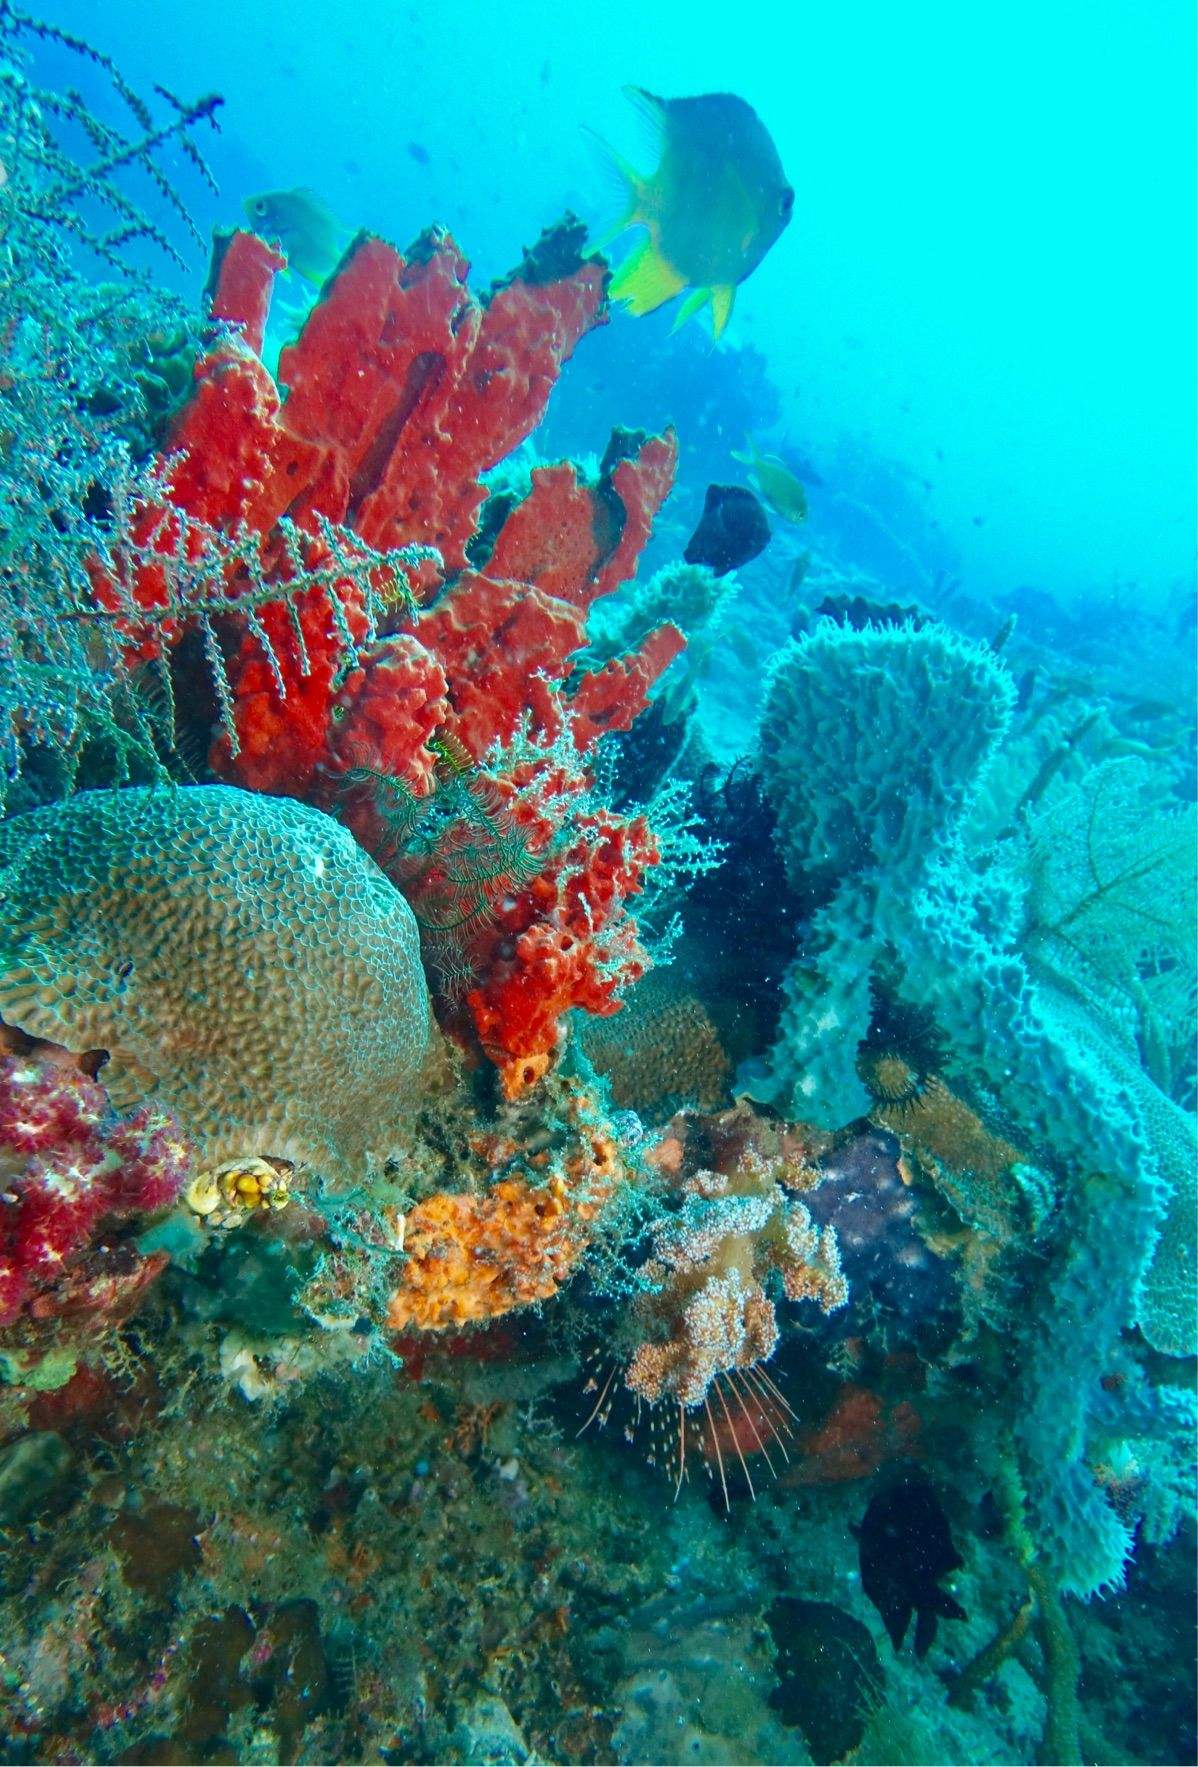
[(649, 106), (645, 281), (639, 189), (622, 171), (631, 185), (634, 188), (722, 298)]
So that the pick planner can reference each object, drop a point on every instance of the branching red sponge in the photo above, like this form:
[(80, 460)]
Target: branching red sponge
[(510, 635), (400, 392), (563, 940)]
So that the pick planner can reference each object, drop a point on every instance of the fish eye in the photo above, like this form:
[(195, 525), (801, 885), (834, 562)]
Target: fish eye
[(260, 206), (786, 201)]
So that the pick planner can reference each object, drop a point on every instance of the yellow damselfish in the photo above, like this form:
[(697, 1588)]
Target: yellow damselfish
[(713, 208), (776, 484), (302, 226)]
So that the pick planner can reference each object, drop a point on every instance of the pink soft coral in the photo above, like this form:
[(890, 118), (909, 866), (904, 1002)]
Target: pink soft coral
[(72, 1171)]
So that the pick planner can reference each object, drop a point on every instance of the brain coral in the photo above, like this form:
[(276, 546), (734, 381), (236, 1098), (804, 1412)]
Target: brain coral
[(238, 957)]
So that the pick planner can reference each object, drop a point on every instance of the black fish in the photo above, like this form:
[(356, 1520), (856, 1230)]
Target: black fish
[(905, 1549), (732, 530), (828, 1674)]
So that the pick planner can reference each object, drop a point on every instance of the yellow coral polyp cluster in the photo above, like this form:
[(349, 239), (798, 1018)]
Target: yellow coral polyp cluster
[(472, 1258), (224, 1196)]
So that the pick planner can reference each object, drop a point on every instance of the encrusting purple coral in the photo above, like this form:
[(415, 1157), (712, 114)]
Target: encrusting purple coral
[(898, 1286)]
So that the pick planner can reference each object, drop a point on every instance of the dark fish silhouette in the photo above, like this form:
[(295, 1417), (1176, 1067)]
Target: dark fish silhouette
[(858, 612), (905, 1549), (732, 530)]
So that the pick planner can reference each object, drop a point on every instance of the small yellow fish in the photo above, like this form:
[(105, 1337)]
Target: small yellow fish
[(302, 226), (713, 208), (776, 484)]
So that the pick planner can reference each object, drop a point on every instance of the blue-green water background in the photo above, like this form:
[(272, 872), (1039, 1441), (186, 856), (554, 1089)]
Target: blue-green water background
[(979, 327)]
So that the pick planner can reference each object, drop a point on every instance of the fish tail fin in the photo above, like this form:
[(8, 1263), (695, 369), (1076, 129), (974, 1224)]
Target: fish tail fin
[(925, 1630), (722, 297), (697, 299), (645, 281)]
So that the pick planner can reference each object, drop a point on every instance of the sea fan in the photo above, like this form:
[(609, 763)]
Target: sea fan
[(1112, 907), (71, 381), (87, 689)]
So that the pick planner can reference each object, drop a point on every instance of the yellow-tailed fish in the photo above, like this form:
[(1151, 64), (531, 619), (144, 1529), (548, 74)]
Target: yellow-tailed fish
[(713, 208), (776, 484), (303, 227)]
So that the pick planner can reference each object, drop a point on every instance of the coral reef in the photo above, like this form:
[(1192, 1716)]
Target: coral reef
[(736, 1226), (79, 388), (887, 868), (307, 690), (704, 1321), (1111, 903), (237, 957), (473, 1257), (740, 919), (902, 1286), (987, 1180), (870, 767), (246, 1579), (861, 1434), (230, 1194), (562, 941), (354, 783), (333, 507), (78, 1180), (662, 1053)]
